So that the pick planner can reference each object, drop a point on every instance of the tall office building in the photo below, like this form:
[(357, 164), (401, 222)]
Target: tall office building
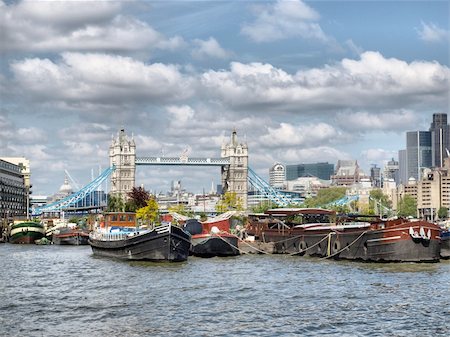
[(13, 194), (440, 141), (322, 171), (375, 176), (391, 171), (402, 167), (277, 175), (418, 152)]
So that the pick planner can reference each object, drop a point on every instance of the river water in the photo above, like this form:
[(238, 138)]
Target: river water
[(65, 291)]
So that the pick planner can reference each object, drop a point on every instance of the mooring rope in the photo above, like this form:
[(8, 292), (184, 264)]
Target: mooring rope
[(308, 248), (240, 250), (346, 247)]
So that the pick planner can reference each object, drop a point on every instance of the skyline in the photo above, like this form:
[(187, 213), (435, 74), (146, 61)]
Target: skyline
[(300, 81)]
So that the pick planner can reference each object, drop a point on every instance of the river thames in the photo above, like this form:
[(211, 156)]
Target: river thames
[(65, 291)]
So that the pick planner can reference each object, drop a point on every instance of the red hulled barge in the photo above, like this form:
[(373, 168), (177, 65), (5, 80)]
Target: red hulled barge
[(323, 233)]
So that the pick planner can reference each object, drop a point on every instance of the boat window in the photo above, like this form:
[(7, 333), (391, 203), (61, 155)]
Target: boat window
[(122, 217), (130, 218), (316, 218), (113, 217), (296, 219)]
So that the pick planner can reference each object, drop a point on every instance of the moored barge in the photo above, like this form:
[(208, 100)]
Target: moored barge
[(26, 232), (120, 238), (212, 238), (321, 233)]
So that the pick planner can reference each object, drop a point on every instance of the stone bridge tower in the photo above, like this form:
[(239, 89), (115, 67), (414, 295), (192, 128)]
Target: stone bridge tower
[(122, 154), (234, 176)]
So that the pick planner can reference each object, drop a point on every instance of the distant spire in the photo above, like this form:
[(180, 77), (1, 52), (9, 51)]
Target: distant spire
[(234, 137)]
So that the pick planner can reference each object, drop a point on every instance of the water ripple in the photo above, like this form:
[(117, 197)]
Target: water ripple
[(65, 291)]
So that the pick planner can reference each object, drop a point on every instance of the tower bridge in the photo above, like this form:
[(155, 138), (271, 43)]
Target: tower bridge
[(233, 163)]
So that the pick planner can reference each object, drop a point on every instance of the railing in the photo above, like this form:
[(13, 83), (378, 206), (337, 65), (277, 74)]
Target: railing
[(182, 161), (108, 236)]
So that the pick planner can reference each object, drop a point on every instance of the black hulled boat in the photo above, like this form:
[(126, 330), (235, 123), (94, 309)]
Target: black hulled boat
[(162, 243)]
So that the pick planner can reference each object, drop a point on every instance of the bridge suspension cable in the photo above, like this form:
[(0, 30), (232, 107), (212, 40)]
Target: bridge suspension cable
[(268, 191), (75, 197)]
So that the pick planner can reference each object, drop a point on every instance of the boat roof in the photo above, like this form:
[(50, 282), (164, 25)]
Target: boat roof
[(294, 211)]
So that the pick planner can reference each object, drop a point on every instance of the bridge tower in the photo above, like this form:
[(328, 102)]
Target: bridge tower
[(234, 176), (122, 154)]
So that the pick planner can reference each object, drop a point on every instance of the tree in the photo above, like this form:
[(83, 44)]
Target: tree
[(264, 206), (149, 213), (229, 202), (115, 203), (325, 196), (443, 213), (137, 198), (407, 207)]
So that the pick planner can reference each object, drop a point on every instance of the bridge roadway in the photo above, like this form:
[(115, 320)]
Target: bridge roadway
[(182, 161)]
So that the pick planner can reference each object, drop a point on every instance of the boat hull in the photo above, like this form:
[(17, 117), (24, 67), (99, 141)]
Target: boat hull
[(445, 244), (210, 245), (74, 239), (165, 243), (389, 245), (26, 233)]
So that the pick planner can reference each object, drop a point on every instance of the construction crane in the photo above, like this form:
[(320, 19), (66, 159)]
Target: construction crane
[(75, 184)]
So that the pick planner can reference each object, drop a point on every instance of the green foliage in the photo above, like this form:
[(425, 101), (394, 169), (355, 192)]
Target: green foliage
[(137, 198), (340, 208), (443, 213), (115, 203), (407, 207), (149, 213), (229, 202), (325, 196), (74, 219), (203, 216), (263, 206)]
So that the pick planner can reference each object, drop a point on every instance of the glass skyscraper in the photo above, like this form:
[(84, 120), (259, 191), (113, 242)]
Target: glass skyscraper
[(439, 139), (418, 152), (322, 171)]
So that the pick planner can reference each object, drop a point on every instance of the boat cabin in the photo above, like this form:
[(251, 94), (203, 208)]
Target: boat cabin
[(301, 216), (288, 218), (119, 219)]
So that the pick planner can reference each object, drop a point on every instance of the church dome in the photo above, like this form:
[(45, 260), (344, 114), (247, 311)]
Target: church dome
[(65, 188)]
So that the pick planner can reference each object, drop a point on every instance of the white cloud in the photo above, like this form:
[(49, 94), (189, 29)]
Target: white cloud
[(357, 50), (285, 19), (209, 49), (180, 115), (52, 26), (30, 135), (148, 143), (100, 78), (288, 135), (87, 132), (378, 156), (371, 81), (363, 121), (312, 155), (430, 32)]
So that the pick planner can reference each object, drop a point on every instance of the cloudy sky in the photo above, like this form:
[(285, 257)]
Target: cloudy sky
[(301, 81)]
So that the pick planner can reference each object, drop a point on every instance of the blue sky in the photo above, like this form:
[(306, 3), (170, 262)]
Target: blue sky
[(301, 81)]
